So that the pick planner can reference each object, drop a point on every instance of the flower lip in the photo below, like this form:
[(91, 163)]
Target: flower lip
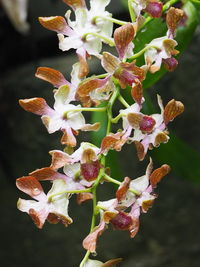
[(121, 221), (147, 124)]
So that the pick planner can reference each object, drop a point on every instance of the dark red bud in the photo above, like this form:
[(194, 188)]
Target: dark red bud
[(90, 170), (170, 64), (122, 221), (154, 9), (147, 124)]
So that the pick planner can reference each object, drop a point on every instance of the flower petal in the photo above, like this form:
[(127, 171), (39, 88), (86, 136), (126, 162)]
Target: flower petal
[(123, 188), (57, 24), (91, 127), (36, 105), (140, 150), (59, 159), (82, 197), (68, 137), (172, 110), (137, 91), (52, 76), (109, 62), (112, 263), (158, 174), (75, 3), (173, 18), (89, 243), (31, 186), (123, 36), (84, 68), (47, 173)]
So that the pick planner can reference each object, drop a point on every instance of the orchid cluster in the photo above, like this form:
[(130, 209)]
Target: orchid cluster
[(79, 171)]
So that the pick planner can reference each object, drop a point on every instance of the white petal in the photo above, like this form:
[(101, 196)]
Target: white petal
[(140, 183), (93, 263), (66, 43)]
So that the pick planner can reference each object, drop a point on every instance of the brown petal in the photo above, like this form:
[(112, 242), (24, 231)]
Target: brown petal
[(89, 243), (109, 215), (46, 173), (37, 218), (84, 68), (161, 138), (147, 204), (88, 155), (135, 119), (112, 263), (172, 110), (59, 159), (123, 188), (109, 141), (91, 127), (109, 62), (174, 16), (82, 197), (123, 36), (134, 228), (55, 218), (36, 105), (140, 150), (75, 3), (56, 23), (30, 186), (68, 138), (158, 174), (137, 92), (52, 76), (137, 71)]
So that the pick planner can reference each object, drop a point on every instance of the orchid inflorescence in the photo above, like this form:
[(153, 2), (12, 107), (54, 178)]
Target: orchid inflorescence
[(84, 168)]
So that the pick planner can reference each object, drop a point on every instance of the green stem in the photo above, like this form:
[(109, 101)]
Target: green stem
[(102, 109), (114, 181), (100, 75), (117, 118), (109, 108), (107, 40), (141, 52), (87, 254), (123, 101), (131, 11), (116, 21), (50, 199)]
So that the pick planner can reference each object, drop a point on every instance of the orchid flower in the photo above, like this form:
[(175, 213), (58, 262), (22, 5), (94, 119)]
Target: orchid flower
[(87, 32), (126, 73), (64, 116), (41, 209), (150, 130), (160, 49), (86, 158)]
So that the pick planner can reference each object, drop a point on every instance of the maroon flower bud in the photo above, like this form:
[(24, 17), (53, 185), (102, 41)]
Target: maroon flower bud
[(170, 64), (122, 221), (147, 124), (90, 170), (154, 9)]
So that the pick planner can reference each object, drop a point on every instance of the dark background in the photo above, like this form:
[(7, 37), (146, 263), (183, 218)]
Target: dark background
[(169, 233)]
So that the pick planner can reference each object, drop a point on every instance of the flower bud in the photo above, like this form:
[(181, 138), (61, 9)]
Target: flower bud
[(154, 9)]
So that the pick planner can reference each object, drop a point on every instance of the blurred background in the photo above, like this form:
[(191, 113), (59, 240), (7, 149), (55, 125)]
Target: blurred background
[(169, 233)]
